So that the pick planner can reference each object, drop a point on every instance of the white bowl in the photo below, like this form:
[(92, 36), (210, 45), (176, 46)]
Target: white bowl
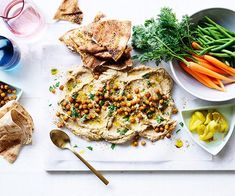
[(213, 147), (19, 91), (225, 18)]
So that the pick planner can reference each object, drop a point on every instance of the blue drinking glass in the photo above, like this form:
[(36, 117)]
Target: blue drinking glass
[(9, 54)]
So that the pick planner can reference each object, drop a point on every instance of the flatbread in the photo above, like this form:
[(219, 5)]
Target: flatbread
[(16, 127), (69, 11), (113, 35)]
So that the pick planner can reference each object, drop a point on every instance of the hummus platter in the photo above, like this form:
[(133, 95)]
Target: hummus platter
[(118, 106)]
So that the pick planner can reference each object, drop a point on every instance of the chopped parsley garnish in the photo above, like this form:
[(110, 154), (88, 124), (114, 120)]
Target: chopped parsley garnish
[(159, 119), (178, 130), (126, 118), (148, 83), (84, 118), (75, 146), (50, 105), (122, 131), (74, 95), (101, 103), (53, 87), (75, 113), (91, 96), (111, 108), (146, 76), (90, 148), (113, 146), (181, 124)]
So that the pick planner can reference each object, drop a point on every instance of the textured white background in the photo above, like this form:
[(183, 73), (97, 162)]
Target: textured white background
[(29, 177)]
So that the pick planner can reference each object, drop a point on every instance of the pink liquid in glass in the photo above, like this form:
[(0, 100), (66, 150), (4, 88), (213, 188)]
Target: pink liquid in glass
[(27, 22)]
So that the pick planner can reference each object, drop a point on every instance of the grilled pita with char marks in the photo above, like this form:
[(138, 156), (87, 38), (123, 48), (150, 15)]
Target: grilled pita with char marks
[(69, 11), (99, 54)]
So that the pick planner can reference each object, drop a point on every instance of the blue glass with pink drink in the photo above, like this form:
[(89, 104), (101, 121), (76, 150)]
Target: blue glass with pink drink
[(9, 54)]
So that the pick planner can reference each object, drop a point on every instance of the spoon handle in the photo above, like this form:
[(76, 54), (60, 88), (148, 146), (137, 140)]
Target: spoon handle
[(97, 173)]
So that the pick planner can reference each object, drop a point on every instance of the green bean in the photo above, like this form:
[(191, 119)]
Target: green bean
[(228, 52), (219, 41), (223, 46), (218, 54), (204, 51)]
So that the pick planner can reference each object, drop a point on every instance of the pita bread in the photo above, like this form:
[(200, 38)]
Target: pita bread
[(69, 11), (16, 127), (113, 35)]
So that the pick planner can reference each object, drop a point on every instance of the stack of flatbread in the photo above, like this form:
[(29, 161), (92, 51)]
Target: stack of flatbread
[(16, 128), (101, 44), (69, 11)]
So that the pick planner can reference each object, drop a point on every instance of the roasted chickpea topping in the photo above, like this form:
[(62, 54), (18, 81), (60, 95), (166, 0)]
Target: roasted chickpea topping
[(166, 126), (115, 87), (96, 76), (69, 113), (65, 118), (64, 103), (168, 135), (71, 99), (123, 104), (97, 110), (61, 87), (100, 89), (68, 107), (156, 129), (143, 143), (60, 124), (161, 129), (57, 114), (156, 91), (128, 104), (135, 143), (161, 101), (147, 94), (165, 97), (132, 120), (76, 105), (175, 111), (137, 90), (140, 116), (129, 96)]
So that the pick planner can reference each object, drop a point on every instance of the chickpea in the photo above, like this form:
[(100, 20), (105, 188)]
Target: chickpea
[(147, 102), (69, 113), (2, 102), (161, 101), (9, 91), (86, 111), (64, 103), (66, 118), (84, 106), (133, 109), (96, 76), (126, 113), (161, 129), (71, 100), (132, 120), (143, 143), (6, 87), (123, 104), (90, 106), (68, 107), (116, 99), (115, 87), (168, 135), (141, 108), (129, 96), (60, 124), (152, 109), (139, 96), (156, 129), (97, 93), (137, 91), (119, 111), (165, 97), (3, 94), (14, 91), (61, 87), (97, 110), (138, 100), (57, 114), (118, 105), (166, 127), (80, 107), (100, 89), (53, 91), (156, 91), (106, 96), (155, 98), (105, 107), (97, 99), (175, 111), (128, 104), (147, 94), (140, 116), (76, 105), (108, 87), (135, 143)]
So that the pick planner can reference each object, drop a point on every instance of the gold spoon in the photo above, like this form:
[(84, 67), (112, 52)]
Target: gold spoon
[(62, 141)]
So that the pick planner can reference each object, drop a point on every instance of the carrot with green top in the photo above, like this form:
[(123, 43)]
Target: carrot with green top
[(203, 79), (197, 68), (196, 46), (220, 64)]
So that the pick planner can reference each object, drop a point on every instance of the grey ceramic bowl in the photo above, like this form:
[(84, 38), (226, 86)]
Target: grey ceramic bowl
[(226, 18)]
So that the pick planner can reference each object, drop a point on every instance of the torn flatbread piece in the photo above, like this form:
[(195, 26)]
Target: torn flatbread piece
[(101, 44), (16, 128), (114, 35), (69, 11)]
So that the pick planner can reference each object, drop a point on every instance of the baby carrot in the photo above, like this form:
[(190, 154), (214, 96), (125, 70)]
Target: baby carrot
[(205, 80), (196, 46), (208, 72), (219, 64)]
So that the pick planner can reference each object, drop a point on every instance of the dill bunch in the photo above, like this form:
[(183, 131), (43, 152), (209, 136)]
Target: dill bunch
[(163, 38)]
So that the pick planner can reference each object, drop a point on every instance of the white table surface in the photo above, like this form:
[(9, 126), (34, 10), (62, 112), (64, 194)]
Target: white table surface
[(27, 175)]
